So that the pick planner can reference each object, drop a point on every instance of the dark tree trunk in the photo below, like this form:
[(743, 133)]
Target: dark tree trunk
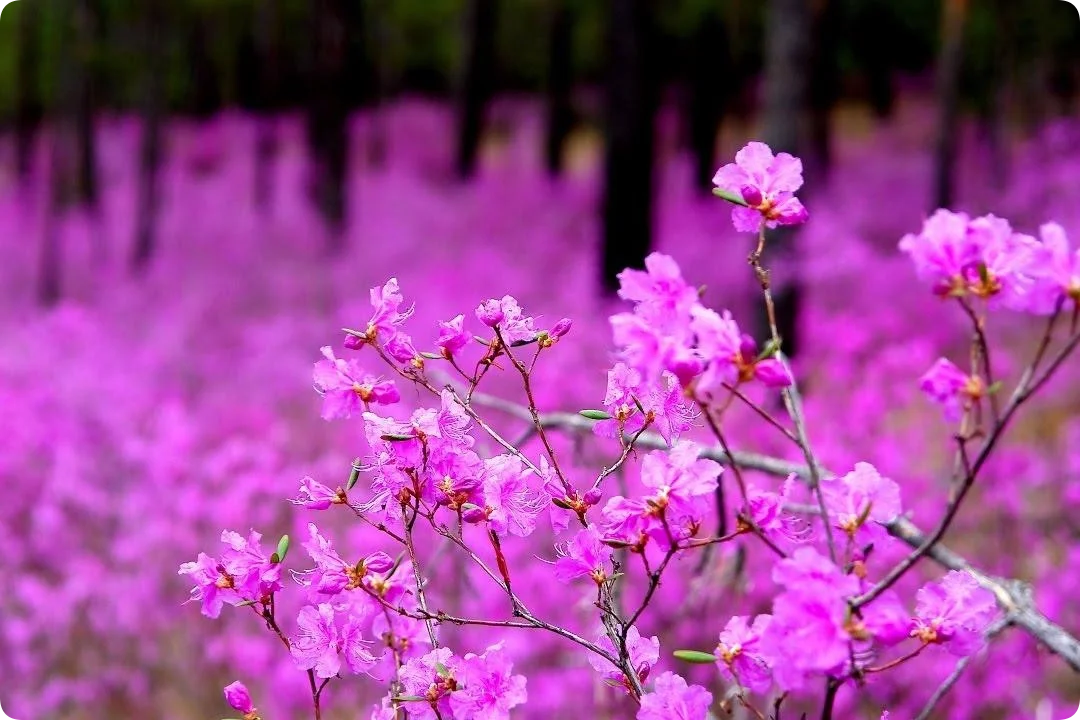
[(709, 90), (477, 83), (265, 76), (382, 81), (950, 63), (824, 85), (327, 118), (28, 110), (628, 162), (788, 54), (150, 152), (560, 111), (88, 35), (874, 47), (206, 86)]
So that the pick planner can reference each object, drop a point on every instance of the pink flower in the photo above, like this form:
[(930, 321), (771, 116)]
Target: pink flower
[(740, 660), (434, 677), (243, 574), (506, 315), (386, 301), (766, 509), (672, 699), (236, 694), (316, 496), (951, 388), (1059, 279), (346, 389), (665, 407), (861, 495), (642, 652), (490, 690), (659, 291), (320, 643), (583, 556), (954, 612), (767, 184), (452, 336), (683, 482), (510, 505)]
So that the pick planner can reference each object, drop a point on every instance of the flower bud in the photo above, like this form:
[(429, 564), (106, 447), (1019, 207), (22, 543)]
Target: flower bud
[(751, 195), (352, 342), (378, 562), (561, 328), (238, 698), (490, 313), (592, 496), (473, 514)]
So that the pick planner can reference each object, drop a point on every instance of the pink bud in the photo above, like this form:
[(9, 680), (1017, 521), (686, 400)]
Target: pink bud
[(772, 373), (592, 496), (378, 562), (748, 348), (561, 328), (474, 514), (238, 698), (751, 195), (353, 342), (490, 313)]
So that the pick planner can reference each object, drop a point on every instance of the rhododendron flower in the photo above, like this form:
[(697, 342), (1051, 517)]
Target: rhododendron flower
[(1059, 281), (452, 336), (346, 390), (767, 184), (739, 656), (665, 408), (660, 293), (954, 612), (681, 480), (236, 694), (860, 496), (401, 348), (672, 699), (642, 652), (433, 677), (320, 643), (766, 509), (316, 496), (584, 555), (510, 505), (386, 301), (506, 315), (243, 574), (490, 690), (951, 388)]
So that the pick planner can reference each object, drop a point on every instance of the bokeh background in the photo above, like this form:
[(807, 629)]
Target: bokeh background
[(195, 195)]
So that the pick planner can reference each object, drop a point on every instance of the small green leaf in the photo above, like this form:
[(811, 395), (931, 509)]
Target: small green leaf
[(594, 414), (523, 343), (770, 349), (695, 656), (996, 387), (729, 196), (431, 356), (354, 333), (559, 502), (442, 670), (394, 437), (282, 548), (407, 698), (354, 474)]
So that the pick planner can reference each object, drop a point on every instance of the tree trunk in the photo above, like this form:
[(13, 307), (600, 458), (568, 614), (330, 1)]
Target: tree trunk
[(150, 152), (28, 110), (874, 50), (327, 119), (788, 54), (709, 90), (88, 35), (266, 50), (628, 162), (477, 83), (950, 63), (824, 85), (560, 111)]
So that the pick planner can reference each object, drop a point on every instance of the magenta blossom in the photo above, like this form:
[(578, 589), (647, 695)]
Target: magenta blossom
[(316, 496), (672, 699), (243, 574), (951, 388), (1059, 281), (659, 292), (386, 301), (452, 336), (510, 505), (954, 612), (506, 315), (433, 677), (632, 403), (860, 496), (584, 555), (490, 689), (346, 390), (321, 643), (767, 185), (739, 656), (643, 654)]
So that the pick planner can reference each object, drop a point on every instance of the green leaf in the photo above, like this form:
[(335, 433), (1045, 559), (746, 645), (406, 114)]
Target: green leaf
[(729, 196), (995, 388), (431, 356), (594, 414), (523, 343), (393, 437), (354, 474), (442, 670), (407, 698), (354, 333), (282, 548), (769, 350), (695, 656)]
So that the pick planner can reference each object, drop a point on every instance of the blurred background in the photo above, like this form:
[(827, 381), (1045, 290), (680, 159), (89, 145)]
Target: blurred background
[(195, 195)]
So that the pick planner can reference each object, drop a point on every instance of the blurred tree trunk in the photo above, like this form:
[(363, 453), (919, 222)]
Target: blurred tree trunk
[(824, 85), (560, 111), (993, 102), (628, 161), (28, 104), (150, 153), (206, 77), (788, 55), (266, 50), (327, 118), (380, 31), (874, 49), (950, 63), (88, 36), (712, 76), (477, 83)]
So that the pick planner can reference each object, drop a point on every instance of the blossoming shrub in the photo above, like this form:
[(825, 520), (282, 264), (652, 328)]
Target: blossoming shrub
[(452, 499)]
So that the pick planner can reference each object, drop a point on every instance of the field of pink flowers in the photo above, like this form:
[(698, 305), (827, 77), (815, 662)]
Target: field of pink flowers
[(144, 415)]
